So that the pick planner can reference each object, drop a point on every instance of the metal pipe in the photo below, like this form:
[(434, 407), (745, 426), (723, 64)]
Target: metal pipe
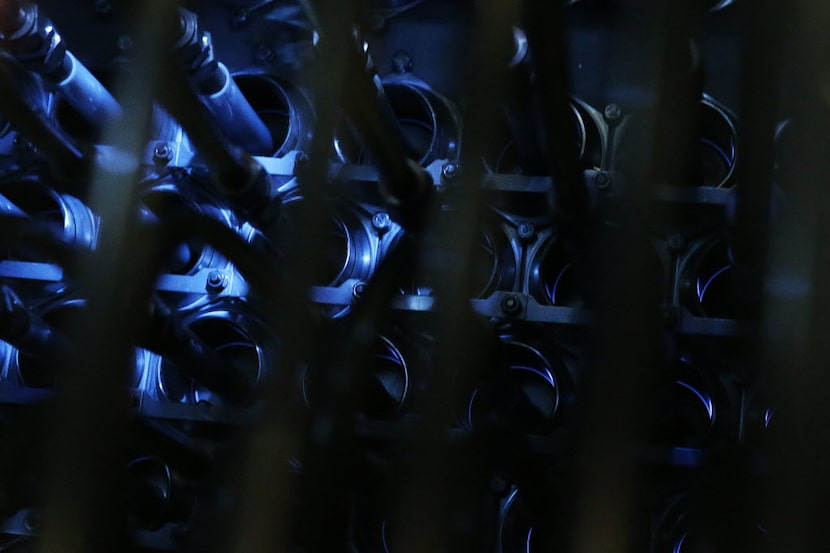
[(32, 40), (234, 172), (236, 117), (86, 94), (217, 89)]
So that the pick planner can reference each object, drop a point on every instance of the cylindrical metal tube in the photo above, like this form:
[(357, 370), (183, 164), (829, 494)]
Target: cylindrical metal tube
[(86, 94), (237, 118), (32, 40), (218, 91), (234, 171)]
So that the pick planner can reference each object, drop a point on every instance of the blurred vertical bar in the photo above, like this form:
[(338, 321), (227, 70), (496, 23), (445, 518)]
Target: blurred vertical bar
[(264, 515), (758, 117), (444, 474), (797, 307), (723, 500), (675, 151), (545, 25), (330, 466), (626, 342), (83, 513)]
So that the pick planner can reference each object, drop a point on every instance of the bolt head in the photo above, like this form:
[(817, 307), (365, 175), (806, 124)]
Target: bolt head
[(162, 153), (381, 221), (402, 61), (612, 112), (526, 231), (450, 170), (216, 281), (511, 304), (602, 181), (358, 290)]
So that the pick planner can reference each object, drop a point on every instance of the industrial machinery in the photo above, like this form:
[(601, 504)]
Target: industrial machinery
[(413, 275)]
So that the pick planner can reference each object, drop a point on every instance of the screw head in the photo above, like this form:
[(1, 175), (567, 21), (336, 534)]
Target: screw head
[(511, 304), (216, 281), (526, 231), (358, 289), (450, 170), (612, 112), (402, 61), (602, 181), (381, 221), (162, 154)]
